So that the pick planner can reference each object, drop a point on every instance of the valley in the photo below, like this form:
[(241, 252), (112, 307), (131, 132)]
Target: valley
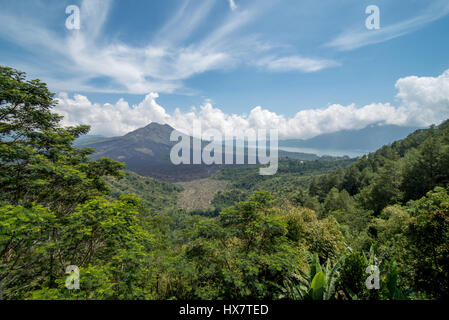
[(136, 227)]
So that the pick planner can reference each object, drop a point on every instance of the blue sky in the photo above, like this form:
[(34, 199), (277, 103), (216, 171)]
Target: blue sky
[(285, 56)]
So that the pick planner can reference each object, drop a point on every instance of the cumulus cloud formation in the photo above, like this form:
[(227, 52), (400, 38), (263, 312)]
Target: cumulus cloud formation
[(426, 98), (423, 101), (110, 119)]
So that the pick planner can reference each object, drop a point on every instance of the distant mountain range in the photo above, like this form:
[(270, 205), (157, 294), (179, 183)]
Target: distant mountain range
[(360, 141), (146, 150)]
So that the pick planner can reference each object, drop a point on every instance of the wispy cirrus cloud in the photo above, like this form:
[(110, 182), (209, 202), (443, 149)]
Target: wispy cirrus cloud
[(232, 5), (295, 63), (354, 39), (91, 60)]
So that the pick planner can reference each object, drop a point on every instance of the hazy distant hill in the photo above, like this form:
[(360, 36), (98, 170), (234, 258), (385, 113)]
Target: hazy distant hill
[(87, 139), (367, 139)]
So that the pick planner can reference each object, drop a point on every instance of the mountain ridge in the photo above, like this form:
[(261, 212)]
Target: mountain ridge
[(146, 150), (367, 139)]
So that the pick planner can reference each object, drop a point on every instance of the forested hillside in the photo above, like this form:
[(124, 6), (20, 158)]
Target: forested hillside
[(157, 195), (402, 171), (292, 175), (307, 233)]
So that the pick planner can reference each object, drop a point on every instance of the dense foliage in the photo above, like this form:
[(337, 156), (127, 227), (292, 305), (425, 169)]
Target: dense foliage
[(157, 195), (310, 232)]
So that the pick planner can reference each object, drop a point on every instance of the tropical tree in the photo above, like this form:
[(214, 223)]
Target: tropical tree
[(428, 235), (38, 162)]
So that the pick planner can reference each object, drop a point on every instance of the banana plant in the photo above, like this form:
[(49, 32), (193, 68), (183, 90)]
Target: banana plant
[(372, 259), (393, 292), (317, 284)]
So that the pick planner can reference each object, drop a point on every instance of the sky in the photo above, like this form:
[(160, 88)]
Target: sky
[(304, 67)]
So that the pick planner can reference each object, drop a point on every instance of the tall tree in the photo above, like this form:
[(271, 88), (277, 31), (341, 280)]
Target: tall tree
[(38, 164), (37, 160)]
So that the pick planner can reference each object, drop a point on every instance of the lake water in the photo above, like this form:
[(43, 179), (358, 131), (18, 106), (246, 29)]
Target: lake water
[(319, 152), (327, 152)]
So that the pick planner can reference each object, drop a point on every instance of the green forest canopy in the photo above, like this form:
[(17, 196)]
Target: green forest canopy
[(311, 237)]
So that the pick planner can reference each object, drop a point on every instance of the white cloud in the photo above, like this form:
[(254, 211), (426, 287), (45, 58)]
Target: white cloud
[(423, 101), (232, 5), (295, 63), (353, 39), (426, 98), (91, 60), (110, 119)]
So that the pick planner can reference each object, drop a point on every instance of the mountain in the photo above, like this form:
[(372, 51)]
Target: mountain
[(151, 143), (87, 139), (364, 140), (146, 151)]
